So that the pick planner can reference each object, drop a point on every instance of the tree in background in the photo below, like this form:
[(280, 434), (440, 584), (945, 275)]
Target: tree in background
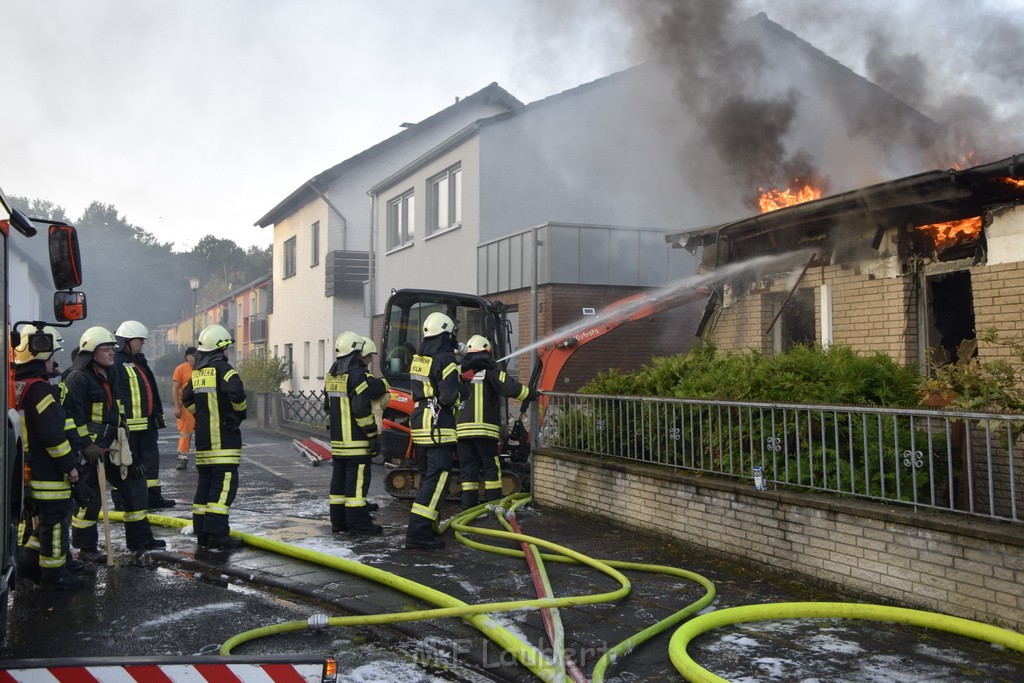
[(130, 275)]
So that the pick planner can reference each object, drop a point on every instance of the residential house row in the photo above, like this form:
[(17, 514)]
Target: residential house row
[(244, 312), (587, 183)]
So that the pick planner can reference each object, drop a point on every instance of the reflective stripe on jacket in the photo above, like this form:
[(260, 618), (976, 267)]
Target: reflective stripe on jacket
[(349, 406), (216, 396)]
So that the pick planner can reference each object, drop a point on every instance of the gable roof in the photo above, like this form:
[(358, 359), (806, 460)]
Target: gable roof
[(471, 129), (491, 94), (878, 96)]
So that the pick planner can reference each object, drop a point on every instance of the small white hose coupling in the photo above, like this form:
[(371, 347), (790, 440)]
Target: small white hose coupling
[(317, 622)]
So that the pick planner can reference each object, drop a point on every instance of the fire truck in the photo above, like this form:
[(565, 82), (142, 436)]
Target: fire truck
[(404, 313), (68, 306)]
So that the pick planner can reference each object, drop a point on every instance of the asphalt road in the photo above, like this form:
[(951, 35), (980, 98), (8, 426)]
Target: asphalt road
[(184, 603)]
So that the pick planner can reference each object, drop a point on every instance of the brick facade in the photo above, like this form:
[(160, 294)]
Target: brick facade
[(869, 313), (964, 567)]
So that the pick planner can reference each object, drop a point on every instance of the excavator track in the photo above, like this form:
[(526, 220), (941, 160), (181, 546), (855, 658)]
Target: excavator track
[(403, 481)]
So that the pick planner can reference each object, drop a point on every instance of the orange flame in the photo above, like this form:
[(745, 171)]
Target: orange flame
[(1013, 182), (966, 160), (950, 233), (773, 199)]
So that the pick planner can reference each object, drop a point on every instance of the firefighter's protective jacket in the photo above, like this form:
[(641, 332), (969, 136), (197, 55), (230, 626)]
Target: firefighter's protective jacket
[(435, 390), (92, 401), (42, 420), (348, 403), (138, 390), (60, 392), (484, 383), (216, 396)]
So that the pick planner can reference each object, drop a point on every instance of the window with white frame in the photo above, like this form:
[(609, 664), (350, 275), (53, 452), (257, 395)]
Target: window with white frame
[(289, 366), (444, 200), (305, 360), (289, 257), (314, 244), (401, 216), (320, 356)]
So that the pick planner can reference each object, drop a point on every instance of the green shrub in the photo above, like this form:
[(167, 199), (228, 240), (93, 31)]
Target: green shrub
[(853, 454), (262, 372), (835, 376)]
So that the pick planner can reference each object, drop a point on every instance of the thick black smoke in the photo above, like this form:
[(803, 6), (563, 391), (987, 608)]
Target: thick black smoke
[(920, 85)]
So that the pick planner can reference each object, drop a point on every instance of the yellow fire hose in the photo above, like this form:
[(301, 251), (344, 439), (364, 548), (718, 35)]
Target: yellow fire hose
[(553, 669), (824, 610)]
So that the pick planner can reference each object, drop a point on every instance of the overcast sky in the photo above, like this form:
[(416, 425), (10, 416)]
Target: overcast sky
[(195, 117)]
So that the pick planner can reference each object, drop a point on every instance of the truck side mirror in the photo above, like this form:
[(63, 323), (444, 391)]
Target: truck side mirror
[(69, 306), (65, 258)]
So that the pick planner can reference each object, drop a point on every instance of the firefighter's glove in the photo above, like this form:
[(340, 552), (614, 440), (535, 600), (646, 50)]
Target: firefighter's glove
[(374, 445), (534, 395), (137, 471), (158, 420), (83, 496), (92, 453), (468, 375)]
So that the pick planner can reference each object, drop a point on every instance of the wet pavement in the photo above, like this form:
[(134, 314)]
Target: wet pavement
[(184, 602)]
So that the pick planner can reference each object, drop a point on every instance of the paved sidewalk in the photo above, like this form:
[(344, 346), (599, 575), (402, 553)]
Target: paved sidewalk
[(296, 512)]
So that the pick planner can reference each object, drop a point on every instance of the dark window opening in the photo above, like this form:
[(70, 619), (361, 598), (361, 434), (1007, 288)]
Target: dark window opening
[(796, 325), (951, 311)]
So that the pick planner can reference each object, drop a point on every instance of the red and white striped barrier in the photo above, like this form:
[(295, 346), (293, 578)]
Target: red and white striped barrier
[(169, 673)]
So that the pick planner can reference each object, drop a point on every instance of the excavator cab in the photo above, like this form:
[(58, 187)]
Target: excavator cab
[(404, 314)]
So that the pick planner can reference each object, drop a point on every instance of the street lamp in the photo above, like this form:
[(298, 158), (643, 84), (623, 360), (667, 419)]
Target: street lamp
[(193, 283)]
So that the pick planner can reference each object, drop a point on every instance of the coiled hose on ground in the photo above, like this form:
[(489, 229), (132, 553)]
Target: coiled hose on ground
[(555, 667)]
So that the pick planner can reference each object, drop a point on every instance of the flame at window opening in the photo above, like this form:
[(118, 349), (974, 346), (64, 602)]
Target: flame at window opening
[(950, 233)]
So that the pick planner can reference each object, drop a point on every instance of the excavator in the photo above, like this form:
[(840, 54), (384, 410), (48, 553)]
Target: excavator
[(403, 319)]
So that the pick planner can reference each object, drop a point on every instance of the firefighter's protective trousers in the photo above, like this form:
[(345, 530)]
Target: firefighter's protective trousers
[(215, 492), (349, 408)]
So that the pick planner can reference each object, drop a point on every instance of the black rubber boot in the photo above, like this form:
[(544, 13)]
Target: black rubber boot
[(59, 580), (420, 535), (153, 544), (92, 555), (225, 542), (369, 530), (155, 496), (27, 564), (372, 507)]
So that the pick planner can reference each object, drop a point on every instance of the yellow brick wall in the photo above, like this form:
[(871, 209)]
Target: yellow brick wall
[(999, 304), (963, 567), (869, 314)]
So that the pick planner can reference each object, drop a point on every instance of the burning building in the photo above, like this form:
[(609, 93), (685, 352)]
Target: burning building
[(911, 267)]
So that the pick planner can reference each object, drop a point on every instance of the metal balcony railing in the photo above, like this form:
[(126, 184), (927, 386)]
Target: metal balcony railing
[(969, 463)]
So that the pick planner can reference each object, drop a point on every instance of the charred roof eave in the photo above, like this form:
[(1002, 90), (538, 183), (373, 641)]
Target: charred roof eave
[(923, 198)]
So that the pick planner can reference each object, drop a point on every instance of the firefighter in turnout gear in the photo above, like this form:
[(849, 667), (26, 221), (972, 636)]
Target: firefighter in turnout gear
[(479, 427), (354, 438), (216, 396), (50, 460), (93, 403), (143, 410), (435, 390)]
